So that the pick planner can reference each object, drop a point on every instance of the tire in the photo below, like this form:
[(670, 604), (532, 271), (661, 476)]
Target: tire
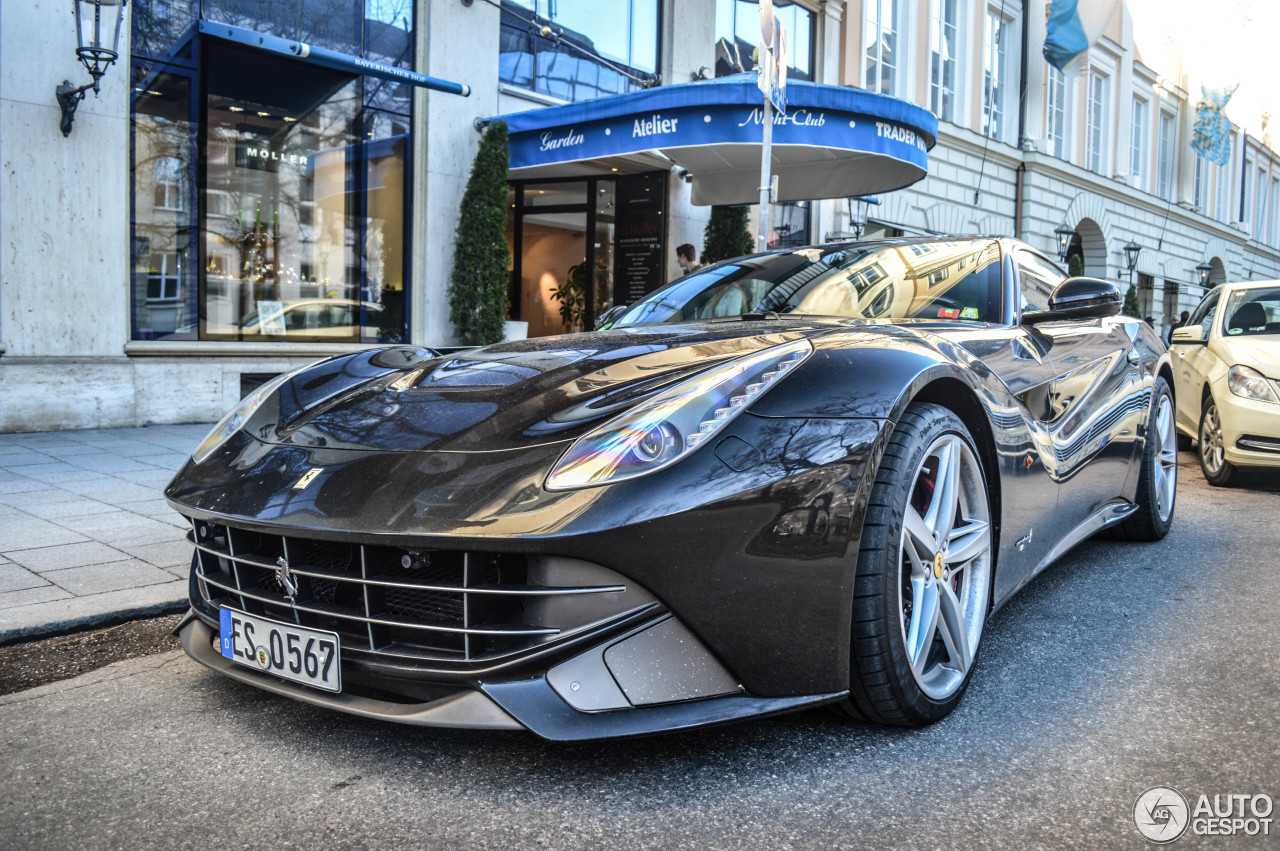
[(1218, 471), (1158, 478), (917, 616)]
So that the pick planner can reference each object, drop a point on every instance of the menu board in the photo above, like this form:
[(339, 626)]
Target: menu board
[(639, 236)]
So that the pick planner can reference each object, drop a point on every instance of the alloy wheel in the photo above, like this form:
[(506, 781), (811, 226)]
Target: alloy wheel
[(1211, 452), (1166, 471), (945, 566)]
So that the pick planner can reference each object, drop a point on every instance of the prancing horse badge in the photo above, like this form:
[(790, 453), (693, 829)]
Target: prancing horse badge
[(307, 477)]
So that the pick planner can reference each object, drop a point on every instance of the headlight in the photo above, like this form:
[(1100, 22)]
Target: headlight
[(1251, 384), (666, 428), (238, 416)]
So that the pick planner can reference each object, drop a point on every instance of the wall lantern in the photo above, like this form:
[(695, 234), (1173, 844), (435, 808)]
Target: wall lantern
[(1204, 270), (1065, 234), (1131, 252), (96, 22), (859, 211)]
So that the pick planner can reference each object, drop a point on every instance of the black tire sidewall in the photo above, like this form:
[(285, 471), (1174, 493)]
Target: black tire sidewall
[(914, 438)]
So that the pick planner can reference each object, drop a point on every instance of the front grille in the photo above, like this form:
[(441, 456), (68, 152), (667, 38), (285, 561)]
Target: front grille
[(441, 605)]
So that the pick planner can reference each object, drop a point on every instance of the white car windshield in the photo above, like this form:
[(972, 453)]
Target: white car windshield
[(1252, 311), (953, 280)]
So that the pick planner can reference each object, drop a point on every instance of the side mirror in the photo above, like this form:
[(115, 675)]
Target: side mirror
[(1079, 298), (1189, 334), (609, 315)]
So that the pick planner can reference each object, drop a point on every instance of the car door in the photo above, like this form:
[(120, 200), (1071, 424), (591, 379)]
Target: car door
[(1019, 356), (1097, 402), (1192, 363)]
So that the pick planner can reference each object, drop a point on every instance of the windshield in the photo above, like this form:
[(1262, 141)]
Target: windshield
[(1254, 311), (957, 280)]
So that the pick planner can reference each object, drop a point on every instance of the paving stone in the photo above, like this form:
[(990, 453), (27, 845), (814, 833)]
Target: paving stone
[(76, 507), (110, 489), (48, 494), (28, 596), (164, 554), (20, 485), (113, 576), (64, 556), (15, 578), (22, 532)]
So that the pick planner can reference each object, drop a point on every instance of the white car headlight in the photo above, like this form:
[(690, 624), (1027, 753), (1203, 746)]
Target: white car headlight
[(238, 416), (672, 424), (1250, 384)]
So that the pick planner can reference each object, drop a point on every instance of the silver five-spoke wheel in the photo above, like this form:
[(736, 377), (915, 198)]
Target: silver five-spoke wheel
[(945, 566), (1166, 435)]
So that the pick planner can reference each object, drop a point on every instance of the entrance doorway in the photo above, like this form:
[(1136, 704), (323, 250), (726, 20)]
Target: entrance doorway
[(582, 245)]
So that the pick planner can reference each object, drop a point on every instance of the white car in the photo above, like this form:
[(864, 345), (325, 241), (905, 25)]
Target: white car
[(1226, 368)]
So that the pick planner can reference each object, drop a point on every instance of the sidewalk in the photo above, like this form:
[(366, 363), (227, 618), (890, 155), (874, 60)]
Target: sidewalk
[(85, 534)]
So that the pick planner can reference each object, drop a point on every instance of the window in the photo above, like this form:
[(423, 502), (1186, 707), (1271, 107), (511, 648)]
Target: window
[(995, 75), (269, 129), (1095, 139), (624, 33), (944, 44), (1059, 114), (1138, 135), (880, 34), (1222, 191), (1274, 209), (738, 33), (164, 277), (1259, 204), (1199, 190), (1166, 146), (1037, 278)]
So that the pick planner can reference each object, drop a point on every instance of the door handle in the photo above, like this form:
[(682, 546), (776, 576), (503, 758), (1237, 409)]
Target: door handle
[(1133, 357)]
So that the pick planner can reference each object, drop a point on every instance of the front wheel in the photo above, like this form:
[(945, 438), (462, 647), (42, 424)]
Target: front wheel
[(1218, 471), (923, 585)]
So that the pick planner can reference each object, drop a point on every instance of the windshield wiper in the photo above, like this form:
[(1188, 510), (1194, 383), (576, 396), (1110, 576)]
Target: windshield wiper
[(758, 316)]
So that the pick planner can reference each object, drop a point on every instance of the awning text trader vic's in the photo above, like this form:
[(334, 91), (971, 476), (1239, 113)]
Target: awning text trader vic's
[(833, 142)]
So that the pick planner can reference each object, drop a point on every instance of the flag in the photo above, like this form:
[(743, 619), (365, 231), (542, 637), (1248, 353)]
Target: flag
[(1211, 134), (1065, 38)]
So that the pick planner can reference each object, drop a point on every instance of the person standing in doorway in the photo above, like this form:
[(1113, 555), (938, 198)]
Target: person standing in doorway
[(687, 257)]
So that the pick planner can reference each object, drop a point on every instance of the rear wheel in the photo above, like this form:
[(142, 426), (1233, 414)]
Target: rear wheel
[(923, 586), (1158, 478), (1217, 469)]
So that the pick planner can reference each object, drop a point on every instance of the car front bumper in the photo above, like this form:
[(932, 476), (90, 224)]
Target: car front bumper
[(1250, 429)]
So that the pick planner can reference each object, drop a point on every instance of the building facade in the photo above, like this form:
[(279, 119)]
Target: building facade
[(220, 213)]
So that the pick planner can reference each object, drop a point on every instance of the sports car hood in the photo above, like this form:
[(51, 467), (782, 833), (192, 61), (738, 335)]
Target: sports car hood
[(507, 396)]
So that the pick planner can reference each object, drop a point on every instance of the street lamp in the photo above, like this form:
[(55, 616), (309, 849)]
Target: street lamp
[(1065, 233), (1131, 252), (91, 50), (859, 210), (1204, 270)]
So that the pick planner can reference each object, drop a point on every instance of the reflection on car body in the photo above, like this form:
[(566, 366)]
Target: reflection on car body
[(688, 517)]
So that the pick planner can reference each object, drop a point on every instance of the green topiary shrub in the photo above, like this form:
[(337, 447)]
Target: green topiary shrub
[(1075, 266), (478, 284), (726, 235), (1131, 303)]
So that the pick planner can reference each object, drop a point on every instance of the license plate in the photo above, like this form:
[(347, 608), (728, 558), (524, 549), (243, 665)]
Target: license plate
[(289, 651)]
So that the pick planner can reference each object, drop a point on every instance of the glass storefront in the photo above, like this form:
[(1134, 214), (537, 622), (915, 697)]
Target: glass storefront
[(579, 247), (270, 196), (567, 63)]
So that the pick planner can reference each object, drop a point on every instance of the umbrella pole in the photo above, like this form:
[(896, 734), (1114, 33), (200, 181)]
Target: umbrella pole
[(766, 179)]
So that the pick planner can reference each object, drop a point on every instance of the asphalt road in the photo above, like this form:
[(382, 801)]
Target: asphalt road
[(1124, 667)]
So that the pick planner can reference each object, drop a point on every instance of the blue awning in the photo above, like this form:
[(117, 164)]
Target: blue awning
[(833, 142)]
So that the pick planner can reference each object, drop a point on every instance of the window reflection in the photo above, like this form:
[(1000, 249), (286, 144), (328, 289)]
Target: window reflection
[(163, 202), (738, 33), (624, 33)]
